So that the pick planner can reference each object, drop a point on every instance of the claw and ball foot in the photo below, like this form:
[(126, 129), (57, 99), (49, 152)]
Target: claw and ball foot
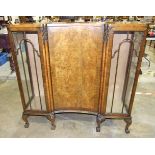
[(97, 129), (25, 118), (26, 125), (53, 126), (99, 120), (51, 118), (128, 123)]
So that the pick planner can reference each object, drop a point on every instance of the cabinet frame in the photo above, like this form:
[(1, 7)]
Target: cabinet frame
[(101, 115)]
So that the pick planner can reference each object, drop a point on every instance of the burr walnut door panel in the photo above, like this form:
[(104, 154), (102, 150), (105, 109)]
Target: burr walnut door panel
[(75, 65)]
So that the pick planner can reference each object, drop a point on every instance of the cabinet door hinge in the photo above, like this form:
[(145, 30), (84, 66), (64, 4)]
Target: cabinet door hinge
[(107, 29), (44, 32)]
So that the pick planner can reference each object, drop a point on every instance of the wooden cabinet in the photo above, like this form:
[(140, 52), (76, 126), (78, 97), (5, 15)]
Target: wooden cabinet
[(88, 68)]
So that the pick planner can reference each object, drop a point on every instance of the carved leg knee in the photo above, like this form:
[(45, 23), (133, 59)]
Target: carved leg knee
[(128, 123), (25, 118), (99, 120), (51, 118)]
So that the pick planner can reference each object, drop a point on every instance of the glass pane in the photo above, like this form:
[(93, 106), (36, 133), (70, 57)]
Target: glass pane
[(28, 59), (138, 36), (23, 66), (125, 52), (35, 65)]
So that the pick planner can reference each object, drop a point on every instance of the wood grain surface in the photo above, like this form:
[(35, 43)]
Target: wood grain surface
[(75, 59)]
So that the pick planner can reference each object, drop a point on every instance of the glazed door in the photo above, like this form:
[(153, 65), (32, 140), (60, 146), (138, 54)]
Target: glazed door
[(127, 51), (28, 56), (75, 52)]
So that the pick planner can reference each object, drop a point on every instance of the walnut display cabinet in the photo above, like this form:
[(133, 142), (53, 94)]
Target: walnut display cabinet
[(87, 68)]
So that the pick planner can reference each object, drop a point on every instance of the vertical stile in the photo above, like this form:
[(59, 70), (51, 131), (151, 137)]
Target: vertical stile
[(44, 68), (49, 71), (108, 56), (102, 71)]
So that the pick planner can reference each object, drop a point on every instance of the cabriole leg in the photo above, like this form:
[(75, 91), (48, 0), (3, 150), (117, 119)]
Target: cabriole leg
[(51, 118), (25, 118), (128, 123), (99, 120)]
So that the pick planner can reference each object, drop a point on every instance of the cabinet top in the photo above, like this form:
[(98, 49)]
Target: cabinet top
[(129, 26), (118, 26)]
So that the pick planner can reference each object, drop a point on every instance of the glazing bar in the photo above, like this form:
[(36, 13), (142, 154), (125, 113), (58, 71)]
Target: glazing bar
[(37, 78)]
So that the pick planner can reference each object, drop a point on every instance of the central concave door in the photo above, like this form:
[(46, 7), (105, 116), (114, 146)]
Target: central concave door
[(75, 65)]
